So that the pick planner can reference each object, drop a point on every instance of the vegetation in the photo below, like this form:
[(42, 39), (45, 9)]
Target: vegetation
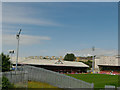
[(69, 57), (86, 58), (20, 85), (32, 84), (89, 63), (44, 58), (6, 84), (99, 80), (6, 64)]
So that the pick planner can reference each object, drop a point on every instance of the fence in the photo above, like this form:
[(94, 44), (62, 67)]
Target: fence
[(54, 78), (0, 80), (118, 88), (107, 87), (20, 78)]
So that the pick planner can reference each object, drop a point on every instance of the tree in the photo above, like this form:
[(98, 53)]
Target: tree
[(69, 57), (89, 63), (6, 64), (44, 58), (6, 84)]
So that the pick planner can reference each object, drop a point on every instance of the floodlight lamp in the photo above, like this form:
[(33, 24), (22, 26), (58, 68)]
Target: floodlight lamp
[(18, 34), (11, 51)]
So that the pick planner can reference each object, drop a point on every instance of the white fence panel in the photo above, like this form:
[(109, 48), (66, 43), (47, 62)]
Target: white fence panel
[(17, 77), (54, 78)]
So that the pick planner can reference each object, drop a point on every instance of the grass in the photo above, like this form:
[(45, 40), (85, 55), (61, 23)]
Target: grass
[(33, 84), (20, 85), (99, 80)]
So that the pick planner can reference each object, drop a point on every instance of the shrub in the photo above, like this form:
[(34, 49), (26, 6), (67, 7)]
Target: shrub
[(6, 64), (6, 84)]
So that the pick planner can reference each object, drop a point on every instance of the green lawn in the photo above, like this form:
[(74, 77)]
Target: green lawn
[(99, 80), (33, 84)]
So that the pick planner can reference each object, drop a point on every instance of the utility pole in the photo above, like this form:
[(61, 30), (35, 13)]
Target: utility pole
[(18, 38), (93, 49)]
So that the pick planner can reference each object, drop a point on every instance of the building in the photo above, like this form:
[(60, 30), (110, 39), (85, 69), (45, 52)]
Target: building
[(84, 59), (41, 57), (61, 58), (53, 58), (55, 65), (47, 57), (108, 64)]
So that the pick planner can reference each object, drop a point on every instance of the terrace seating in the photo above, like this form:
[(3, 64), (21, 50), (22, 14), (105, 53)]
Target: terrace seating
[(116, 73), (104, 72), (109, 72)]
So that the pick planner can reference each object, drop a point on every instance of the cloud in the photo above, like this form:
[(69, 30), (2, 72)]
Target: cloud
[(9, 39), (88, 52), (19, 14), (30, 21)]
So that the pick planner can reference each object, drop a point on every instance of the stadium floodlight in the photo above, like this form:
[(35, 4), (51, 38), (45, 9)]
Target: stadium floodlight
[(11, 52), (18, 38), (93, 49)]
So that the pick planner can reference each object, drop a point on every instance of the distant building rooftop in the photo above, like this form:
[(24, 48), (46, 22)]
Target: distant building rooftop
[(49, 62)]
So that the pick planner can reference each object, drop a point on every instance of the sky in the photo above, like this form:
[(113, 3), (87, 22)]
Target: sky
[(60, 0), (53, 29)]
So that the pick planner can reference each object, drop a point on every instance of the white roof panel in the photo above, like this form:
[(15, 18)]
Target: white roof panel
[(50, 62)]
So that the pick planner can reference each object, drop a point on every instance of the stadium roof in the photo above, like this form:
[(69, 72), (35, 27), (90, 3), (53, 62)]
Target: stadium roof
[(108, 65), (49, 62)]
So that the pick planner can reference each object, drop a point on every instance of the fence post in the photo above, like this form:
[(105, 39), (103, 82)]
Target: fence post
[(92, 85)]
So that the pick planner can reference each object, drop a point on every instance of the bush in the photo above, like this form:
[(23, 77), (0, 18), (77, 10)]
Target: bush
[(6, 84)]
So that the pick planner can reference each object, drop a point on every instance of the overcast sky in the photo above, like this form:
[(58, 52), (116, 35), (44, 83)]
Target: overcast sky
[(57, 28)]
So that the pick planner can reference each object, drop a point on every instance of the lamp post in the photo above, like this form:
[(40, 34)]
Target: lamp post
[(93, 49), (18, 38)]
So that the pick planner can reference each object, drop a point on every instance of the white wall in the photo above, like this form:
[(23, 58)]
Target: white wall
[(107, 60)]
